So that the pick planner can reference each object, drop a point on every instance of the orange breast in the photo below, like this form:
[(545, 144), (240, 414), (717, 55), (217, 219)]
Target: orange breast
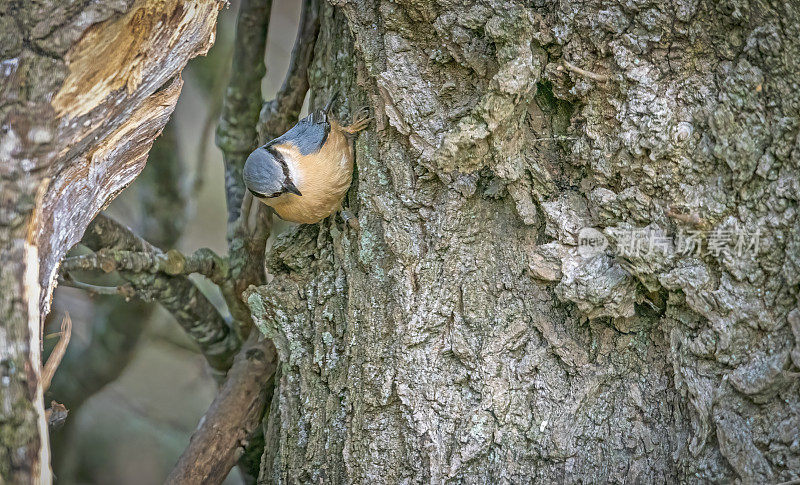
[(323, 178)]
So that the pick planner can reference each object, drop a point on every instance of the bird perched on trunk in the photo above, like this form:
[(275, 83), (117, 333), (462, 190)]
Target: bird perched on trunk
[(305, 173)]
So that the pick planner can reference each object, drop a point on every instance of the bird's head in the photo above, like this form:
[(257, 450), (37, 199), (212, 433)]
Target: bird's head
[(266, 174)]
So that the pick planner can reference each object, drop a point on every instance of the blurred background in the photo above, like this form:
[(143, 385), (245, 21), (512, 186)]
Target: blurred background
[(135, 386)]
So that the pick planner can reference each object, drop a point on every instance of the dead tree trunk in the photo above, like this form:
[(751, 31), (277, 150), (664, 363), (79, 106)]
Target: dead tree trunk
[(85, 87), (462, 335)]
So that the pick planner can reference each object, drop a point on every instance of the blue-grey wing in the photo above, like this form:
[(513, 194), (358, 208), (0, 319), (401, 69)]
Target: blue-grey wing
[(308, 135)]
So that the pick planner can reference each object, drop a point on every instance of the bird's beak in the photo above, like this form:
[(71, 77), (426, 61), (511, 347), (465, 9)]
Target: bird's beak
[(290, 187)]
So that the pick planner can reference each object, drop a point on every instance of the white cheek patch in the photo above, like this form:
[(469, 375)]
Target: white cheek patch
[(343, 161), (294, 171)]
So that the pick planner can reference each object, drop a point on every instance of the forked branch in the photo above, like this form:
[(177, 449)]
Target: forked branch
[(177, 294)]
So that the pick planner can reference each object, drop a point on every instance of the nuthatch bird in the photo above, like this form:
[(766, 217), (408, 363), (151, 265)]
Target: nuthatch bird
[(305, 173)]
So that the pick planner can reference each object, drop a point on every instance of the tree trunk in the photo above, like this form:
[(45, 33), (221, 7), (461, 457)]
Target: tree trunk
[(463, 334), (85, 87)]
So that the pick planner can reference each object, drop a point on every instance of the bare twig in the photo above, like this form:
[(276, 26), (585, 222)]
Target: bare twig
[(247, 259), (244, 218), (212, 117), (57, 354), (281, 113), (105, 232), (231, 419), (125, 290), (236, 133), (601, 78), (203, 261)]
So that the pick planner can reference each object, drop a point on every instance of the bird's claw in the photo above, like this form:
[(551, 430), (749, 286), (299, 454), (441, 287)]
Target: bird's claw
[(360, 121), (350, 219)]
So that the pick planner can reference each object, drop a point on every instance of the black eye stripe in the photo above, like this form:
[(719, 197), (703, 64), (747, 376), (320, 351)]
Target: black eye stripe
[(275, 153), (259, 195), (262, 196)]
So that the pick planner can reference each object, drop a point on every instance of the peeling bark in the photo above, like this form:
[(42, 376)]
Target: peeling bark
[(85, 87), (461, 335)]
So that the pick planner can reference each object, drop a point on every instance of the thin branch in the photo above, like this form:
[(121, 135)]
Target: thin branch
[(244, 217), (278, 115), (231, 419), (236, 133), (203, 261), (125, 290), (261, 230), (57, 354), (601, 78), (217, 93)]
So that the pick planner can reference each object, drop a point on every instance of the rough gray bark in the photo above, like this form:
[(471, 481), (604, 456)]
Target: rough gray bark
[(459, 336), (85, 87)]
